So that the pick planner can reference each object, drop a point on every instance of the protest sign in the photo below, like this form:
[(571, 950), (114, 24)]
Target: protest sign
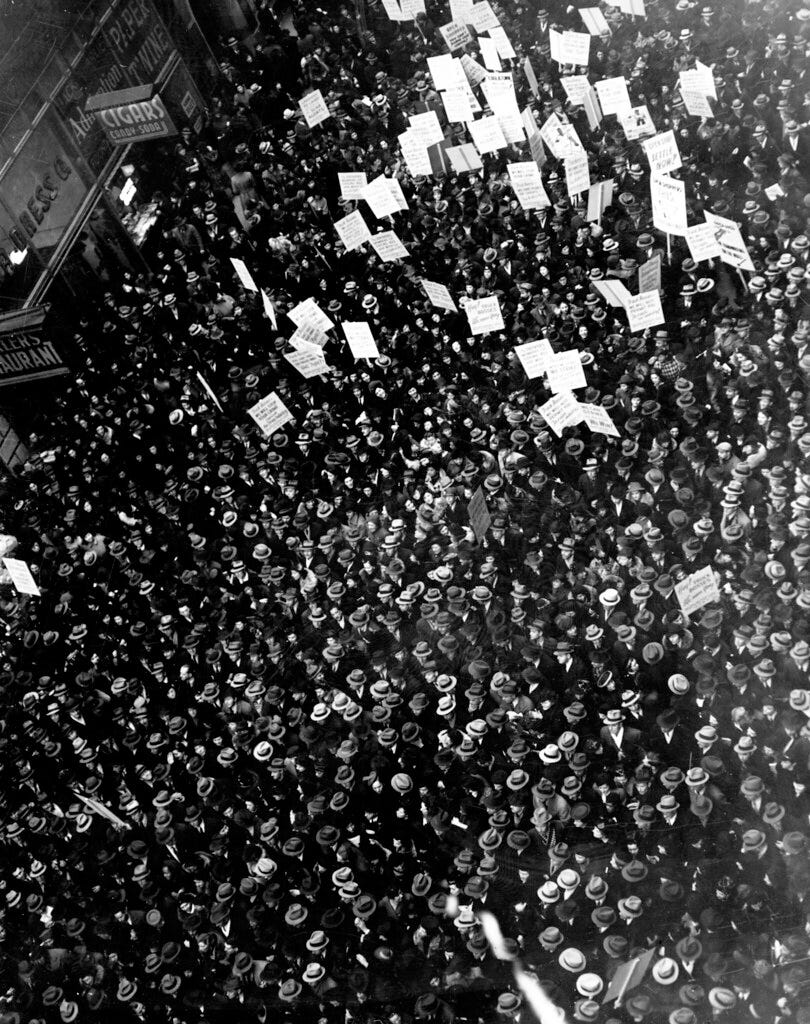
[(393, 10), (352, 184), (361, 340), (629, 975), (577, 174), (636, 123), (461, 11), (457, 107), (482, 17), (576, 87), (774, 192), (446, 71), (378, 196), (244, 275), (308, 334), (308, 361), (614, 292), (528, 185), (598, 420), (426, 127), (555, 45), (644, 310), (702, 242), (97, 807), (209, 390), (388, 246), (668, 204), (314, 108), (501, 40), (613, 95), (564, 371), (733, 249), (594, 21), (649, 274), (534, 357), (309, 311), (487, 135), (699, 80), (395, 189), (537, 149), (480, 519), (410, 9), (464, 158), (20, 576), (696, 103), (439, 295), (474, 72), (352, 230), (593, 110), (662, 153), (415, 154), (531, 77), (557, 137), (484, 315), (269, 312), (634, 7), (489, 54), (575, 48), (456, 36), (560, 411), (270, 413), (697, 590), (600, 196)]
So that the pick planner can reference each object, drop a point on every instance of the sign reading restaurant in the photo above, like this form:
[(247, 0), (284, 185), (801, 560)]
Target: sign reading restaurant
[(24, 353), (130, 115)]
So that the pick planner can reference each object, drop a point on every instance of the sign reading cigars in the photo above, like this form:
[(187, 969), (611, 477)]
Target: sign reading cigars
[(129, 115)]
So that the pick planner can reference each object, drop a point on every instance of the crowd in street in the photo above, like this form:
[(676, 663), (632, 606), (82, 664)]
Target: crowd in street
[(282, 724)]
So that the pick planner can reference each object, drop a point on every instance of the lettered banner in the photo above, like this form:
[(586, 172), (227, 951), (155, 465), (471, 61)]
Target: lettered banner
[(270, 413), (484, 315)]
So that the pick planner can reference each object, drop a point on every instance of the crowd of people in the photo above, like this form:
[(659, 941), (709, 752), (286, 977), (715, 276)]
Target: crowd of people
[(282, 725)]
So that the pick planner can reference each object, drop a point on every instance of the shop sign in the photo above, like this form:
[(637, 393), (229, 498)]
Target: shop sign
[(132, 114), (25, 354)]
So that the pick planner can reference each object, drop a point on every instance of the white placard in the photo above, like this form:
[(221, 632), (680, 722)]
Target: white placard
[(244, 275), (415, 154), (446, 71), (575, 48), (634, 7), (614, 292), (636, 123), (561, 411), (531, 78), (668, 204), (426, 127), (733, 249), (388, 246), (537, 149), (613, 95), (600, 196), (706, 78), (594, 21), (593, 109), (378, 196), (308, 334), (483, 18), (558, 138), (473, 70), (456, 36), (464, 158), (577, 173), (702, 242), (270, 413), (127, 192), (361, 340), (489, 54), (649, 274), (576, 86), (393, 10), (309, 312), (564, 371), (598, 420), (352, 230), (774, 192), (457, 107), (410, 9), (501, 40), (528, 185), (662, 152), (352, 184), (314, 108), (20, 576), (487, 135), (439, 295), (644, 310), (697, 590), (534, 357), (395, 189), (696, 103), (269, 312), (484, 315), (308, 361), (461, 11)]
